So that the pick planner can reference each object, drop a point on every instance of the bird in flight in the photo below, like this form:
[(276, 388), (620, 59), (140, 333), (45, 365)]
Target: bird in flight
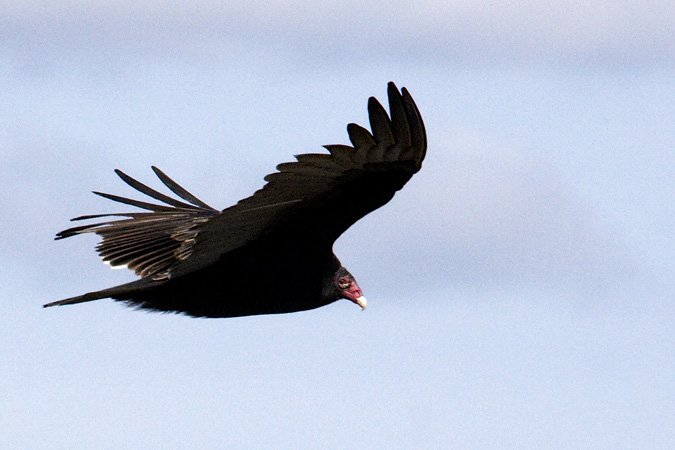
[(271, 252)]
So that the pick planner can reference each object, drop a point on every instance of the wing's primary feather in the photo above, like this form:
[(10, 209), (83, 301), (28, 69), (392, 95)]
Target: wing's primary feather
[(179, 190), (153, 193), (146, 242)]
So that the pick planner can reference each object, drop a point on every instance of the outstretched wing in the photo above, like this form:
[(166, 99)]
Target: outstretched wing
[(312, 201), (315, 199), (147, 242)]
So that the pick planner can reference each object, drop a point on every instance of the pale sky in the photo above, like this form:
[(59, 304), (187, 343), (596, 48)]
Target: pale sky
[(520, 287)]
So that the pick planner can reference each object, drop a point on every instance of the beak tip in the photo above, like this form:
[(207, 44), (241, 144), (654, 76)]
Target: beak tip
[(362, 302)]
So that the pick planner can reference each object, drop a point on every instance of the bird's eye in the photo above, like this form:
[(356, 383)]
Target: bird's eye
[(344, 283)]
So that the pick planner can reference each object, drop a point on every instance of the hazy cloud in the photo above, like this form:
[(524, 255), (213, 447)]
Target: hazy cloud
[(597, 33)]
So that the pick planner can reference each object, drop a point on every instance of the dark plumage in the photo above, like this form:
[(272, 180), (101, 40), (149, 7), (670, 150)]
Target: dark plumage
[(271, 252)]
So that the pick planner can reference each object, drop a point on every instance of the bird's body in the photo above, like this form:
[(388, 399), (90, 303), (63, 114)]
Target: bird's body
[(271, 252), (244, 282)]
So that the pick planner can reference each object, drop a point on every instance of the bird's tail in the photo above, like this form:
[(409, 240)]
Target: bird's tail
[(121, 292)]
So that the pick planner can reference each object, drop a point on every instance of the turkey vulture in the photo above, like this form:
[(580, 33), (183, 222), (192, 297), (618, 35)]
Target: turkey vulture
[(271, 252)]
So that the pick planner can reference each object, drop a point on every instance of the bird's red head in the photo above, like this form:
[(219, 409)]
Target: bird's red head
[(349, 289)]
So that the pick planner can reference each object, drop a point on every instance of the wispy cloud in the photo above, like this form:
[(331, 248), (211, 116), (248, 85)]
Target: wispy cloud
[(628, 33)]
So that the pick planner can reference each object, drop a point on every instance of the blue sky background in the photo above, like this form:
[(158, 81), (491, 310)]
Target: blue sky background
[(520, 287)]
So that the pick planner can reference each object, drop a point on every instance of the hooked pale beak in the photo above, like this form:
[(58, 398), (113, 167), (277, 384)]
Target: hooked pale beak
[(362, 302)]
